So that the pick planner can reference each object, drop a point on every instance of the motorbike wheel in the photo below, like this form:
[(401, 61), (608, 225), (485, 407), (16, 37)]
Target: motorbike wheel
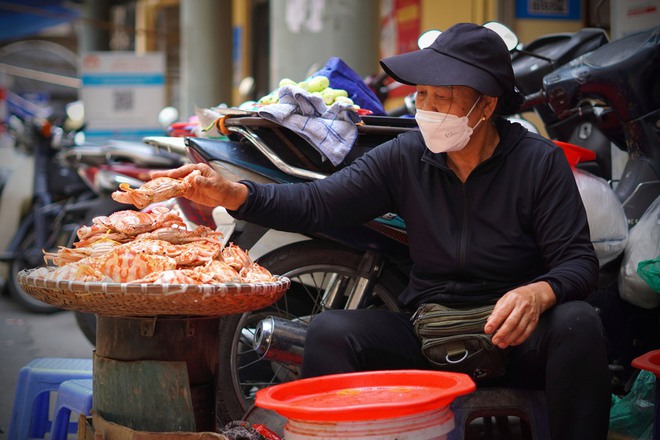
[(311, 266), (16, 290)]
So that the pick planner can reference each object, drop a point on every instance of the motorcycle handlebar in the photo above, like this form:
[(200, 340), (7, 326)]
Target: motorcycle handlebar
[(533, 100)]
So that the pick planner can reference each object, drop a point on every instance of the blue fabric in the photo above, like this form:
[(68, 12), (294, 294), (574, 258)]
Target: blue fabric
[(341, 76), (25, 18), (331, 130)]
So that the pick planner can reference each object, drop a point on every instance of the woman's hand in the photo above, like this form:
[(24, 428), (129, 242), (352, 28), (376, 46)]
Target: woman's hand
[(517, 313), (209, 188)]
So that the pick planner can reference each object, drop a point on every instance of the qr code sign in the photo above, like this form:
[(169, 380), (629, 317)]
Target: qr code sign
[(122, 100)]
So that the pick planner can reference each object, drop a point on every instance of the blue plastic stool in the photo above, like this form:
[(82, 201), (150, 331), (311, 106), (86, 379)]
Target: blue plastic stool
[(74, 396), (36, 380), (528, 405)]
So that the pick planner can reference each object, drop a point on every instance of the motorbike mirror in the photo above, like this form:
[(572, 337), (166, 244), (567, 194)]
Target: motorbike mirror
[(427, 38), (75, 113), (510, 38), (79, 138), (168, 116)]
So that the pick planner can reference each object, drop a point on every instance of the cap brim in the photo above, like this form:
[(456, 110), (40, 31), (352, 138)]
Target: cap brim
[(430, 68)]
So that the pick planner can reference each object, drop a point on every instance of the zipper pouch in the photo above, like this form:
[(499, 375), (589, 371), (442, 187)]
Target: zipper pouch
[(453, 339)]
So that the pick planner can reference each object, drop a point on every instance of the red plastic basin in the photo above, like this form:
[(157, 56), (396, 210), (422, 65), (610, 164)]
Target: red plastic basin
[(364, 395)]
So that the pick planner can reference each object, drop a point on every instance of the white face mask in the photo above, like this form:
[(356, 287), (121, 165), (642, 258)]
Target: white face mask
[(443, 132)]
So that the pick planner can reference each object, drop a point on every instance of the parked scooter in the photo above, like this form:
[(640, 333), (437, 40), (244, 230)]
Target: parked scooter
[(355, 268), (367, 266), (70, 185), (530, 62), (56, 194), (612, 88)]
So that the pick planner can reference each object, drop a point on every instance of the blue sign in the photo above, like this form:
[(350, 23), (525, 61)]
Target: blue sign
[(549, 9)]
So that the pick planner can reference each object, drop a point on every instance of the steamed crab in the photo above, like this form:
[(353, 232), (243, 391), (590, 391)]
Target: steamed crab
[(119, 265), (210, 273), (155, 247), (177, 235), (187, 254), (255, 273), (156, 190), (65, 255), (123, 225), (236, 257)]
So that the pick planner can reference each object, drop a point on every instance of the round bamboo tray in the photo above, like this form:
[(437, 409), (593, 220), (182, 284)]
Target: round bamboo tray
[(123, 299)]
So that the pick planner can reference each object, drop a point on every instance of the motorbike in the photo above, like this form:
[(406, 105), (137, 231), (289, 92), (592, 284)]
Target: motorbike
[(361, 267), (70, 186), (56, 194), (530, 62), (599, 100), (367, 266), (610, 87)]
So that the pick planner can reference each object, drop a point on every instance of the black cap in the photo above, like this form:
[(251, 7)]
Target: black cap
[(466, 54)]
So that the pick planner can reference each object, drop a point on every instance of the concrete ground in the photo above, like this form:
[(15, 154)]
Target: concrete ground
[(25, 336)]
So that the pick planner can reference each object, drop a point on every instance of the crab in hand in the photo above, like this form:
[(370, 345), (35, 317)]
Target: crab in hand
[(155, 190)]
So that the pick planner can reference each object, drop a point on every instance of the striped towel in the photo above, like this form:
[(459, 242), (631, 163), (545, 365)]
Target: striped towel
[(331, 130)]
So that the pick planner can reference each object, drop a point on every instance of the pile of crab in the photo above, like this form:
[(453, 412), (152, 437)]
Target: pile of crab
[(151, 247)]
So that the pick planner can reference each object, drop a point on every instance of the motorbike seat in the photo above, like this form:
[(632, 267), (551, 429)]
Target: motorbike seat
[(296, 151)]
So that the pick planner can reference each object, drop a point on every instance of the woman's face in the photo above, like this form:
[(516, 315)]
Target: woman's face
[(455, 100)]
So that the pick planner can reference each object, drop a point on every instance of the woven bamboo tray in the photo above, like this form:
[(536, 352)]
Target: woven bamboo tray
[(123, 299)]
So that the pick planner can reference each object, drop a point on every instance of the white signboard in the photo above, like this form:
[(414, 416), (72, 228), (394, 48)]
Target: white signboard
[(629, 16), (122, 93)]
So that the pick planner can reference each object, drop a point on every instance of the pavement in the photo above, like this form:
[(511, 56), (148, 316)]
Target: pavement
[(25, 336)]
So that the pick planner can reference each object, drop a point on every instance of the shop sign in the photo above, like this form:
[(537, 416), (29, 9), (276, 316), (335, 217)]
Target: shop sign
[(123, 93), (630, 16), (549, 9), (400, 29)]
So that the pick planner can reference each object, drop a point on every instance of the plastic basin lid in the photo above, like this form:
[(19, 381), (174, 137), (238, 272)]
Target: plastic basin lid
[(365, 395), (649, 362)]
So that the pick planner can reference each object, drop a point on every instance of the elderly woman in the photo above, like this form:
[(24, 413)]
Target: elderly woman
[(492, 213)]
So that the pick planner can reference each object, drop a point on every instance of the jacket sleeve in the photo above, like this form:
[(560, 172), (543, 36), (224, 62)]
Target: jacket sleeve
[(562, 231), (350, 196)]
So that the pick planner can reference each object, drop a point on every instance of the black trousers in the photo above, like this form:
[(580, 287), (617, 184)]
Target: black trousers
[(566, 356)]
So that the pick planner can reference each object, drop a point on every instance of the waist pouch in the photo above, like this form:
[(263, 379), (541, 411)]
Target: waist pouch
[(453, 339)]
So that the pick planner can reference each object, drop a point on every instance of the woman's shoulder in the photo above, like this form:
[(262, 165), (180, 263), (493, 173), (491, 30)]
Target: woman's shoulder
[(405, 144), (408, 139), (526, 143)]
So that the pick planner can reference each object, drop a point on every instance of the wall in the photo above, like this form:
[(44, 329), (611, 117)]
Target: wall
[(528, 29), (435, 14), (305, 33), (441, 14)]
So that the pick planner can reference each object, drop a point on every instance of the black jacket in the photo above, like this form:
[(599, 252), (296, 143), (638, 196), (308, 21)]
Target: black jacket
[(517, 219)]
